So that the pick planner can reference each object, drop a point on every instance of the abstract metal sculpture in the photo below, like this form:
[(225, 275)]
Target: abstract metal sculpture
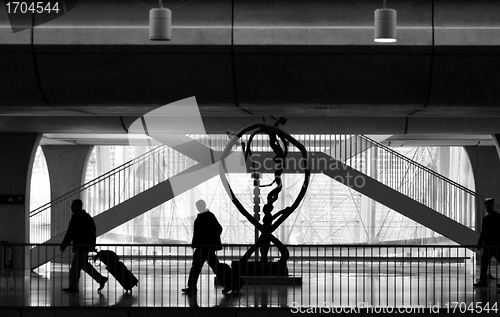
[(279, 142)]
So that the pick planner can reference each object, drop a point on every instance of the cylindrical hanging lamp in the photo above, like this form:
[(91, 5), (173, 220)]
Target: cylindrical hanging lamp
[(160, 23), (385, 25)]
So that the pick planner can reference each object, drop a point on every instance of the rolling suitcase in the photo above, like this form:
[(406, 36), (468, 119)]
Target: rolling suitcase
[(116, 268), (228, 278)]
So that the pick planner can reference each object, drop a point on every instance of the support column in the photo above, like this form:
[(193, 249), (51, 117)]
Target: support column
[(16, 163), (496, 140), (66, 165), (485, 164)]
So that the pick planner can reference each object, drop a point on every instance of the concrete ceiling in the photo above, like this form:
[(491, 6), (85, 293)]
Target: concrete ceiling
[(84, 77)]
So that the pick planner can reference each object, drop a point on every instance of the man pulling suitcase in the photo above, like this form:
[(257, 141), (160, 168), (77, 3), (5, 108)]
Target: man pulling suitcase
[(206, 241)]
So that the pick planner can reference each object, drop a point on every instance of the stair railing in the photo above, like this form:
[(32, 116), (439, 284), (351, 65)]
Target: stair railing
[(416, 181), (107, 190)]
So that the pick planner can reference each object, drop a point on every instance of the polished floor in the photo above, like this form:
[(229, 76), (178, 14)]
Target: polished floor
[(413, 287)]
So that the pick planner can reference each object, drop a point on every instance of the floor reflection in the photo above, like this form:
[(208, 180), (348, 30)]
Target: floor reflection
[(318, 289)]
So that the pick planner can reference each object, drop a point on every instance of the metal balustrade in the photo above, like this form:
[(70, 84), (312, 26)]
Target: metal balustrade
[(338, 276), (108, 190), (417, 182)]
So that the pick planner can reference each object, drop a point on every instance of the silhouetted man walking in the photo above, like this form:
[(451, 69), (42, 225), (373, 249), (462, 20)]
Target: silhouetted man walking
[(82, 232), (489, 239), (206, 240)]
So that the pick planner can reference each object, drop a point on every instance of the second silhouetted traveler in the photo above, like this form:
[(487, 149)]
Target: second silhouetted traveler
[(206, 241), (489, 240)]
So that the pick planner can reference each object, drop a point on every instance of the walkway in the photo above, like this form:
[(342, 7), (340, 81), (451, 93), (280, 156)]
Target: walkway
[(159, 286)]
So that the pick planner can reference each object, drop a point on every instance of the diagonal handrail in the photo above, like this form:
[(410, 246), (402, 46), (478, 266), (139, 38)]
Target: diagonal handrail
[(419, 166), (419, 182), (108, 190), (97, 179)]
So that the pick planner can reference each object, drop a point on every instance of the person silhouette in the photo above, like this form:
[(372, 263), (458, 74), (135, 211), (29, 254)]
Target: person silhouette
[(489, 240), (82, 232), (206, 241)]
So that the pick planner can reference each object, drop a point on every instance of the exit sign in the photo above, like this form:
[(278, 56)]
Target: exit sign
[(11, 199)]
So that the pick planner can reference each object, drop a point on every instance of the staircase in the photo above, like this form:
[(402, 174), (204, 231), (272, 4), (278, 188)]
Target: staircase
[(415, 181), (125, 192), (109, 190), (398, 201), (395, 179), (394, 197), (131, 208), (409, 188), (399, 173)]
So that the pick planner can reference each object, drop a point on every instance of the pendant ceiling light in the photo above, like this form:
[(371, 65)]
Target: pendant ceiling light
[(160, 23), (385, 25)]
